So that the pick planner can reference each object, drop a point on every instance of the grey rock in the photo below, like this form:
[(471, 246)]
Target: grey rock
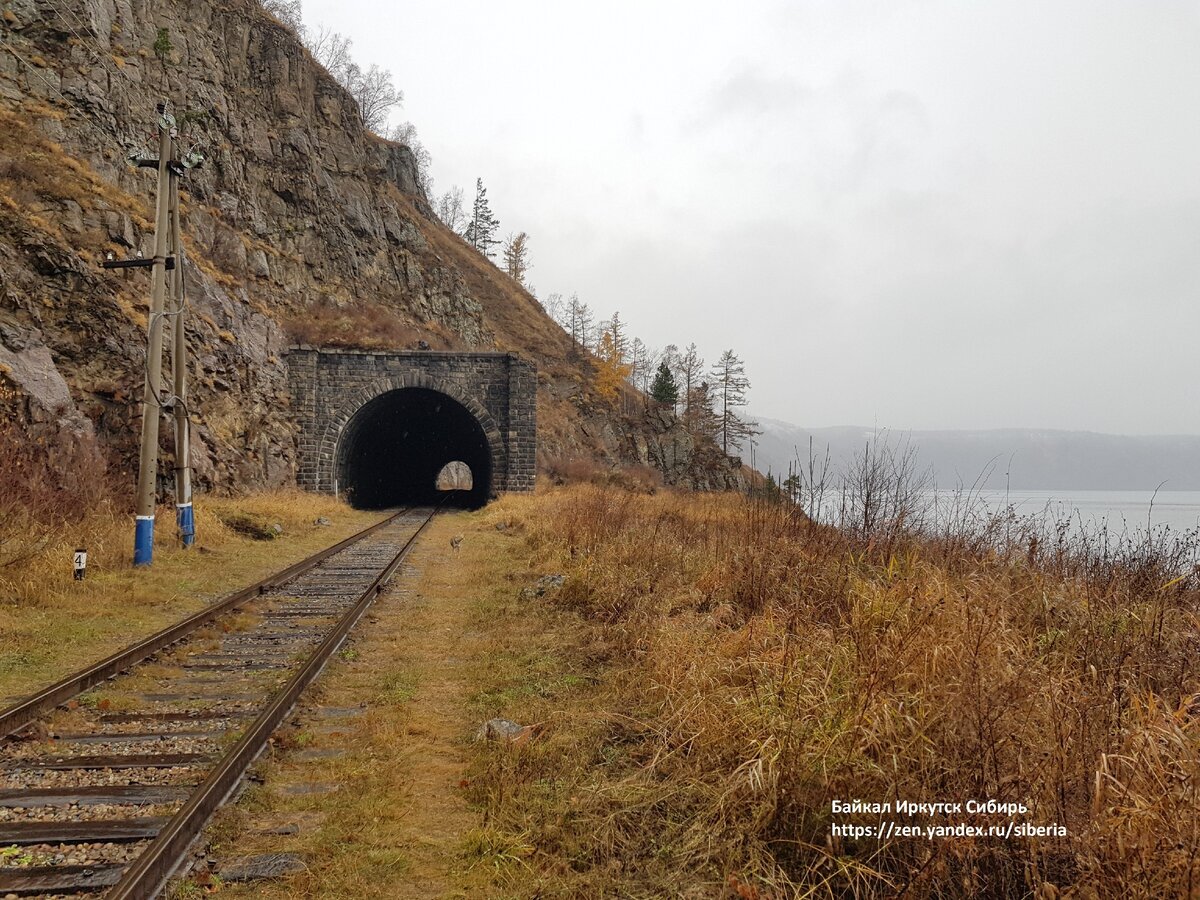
[(266, 865), (256, 261), (545, 585), (498, 729)]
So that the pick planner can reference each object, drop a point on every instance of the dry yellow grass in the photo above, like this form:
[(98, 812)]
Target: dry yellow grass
[(437, 652), (753, 667), (51, 624)]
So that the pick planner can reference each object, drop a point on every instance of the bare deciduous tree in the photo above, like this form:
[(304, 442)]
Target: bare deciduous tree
[(516, 256), (375, 95), (555, 307), (689, 367), (406, 133), (287, 12), (451, 211), (332, 50)]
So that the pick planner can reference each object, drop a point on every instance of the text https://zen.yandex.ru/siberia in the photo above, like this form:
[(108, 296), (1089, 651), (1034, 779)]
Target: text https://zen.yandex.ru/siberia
[(894, 819)]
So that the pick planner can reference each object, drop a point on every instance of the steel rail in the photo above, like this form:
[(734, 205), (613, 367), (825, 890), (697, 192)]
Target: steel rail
[(25, 711), (147, 875)]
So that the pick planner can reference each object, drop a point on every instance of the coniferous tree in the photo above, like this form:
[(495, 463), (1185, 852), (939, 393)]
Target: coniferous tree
[(616, 328), (516, 257), (482, 226), (611, 368), (584, 325), (689, 368), (664, 390), (639, 359), (730, 385), (701, 419)]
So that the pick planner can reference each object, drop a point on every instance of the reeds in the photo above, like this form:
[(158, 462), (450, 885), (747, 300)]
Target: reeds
[(766, 664)]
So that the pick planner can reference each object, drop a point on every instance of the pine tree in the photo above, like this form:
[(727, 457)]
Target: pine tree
[(481, 229), (730, 385), (611, 369), (664, 390)]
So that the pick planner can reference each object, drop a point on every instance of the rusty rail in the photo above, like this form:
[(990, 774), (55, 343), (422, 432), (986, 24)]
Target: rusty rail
[(25, 711), (147, 875)]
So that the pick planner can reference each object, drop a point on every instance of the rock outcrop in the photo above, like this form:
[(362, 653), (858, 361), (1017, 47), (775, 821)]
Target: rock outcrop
[(299, 221)]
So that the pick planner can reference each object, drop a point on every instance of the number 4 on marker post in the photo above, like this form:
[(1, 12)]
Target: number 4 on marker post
[(80, 563)]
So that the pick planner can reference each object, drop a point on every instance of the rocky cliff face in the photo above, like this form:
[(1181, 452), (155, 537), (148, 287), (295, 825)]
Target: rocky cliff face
[(298, 221)]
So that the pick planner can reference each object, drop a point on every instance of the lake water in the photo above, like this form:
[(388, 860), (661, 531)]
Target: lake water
[(1131, 510)]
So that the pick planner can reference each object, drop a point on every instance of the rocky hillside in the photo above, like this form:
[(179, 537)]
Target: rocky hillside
[(299, 226)]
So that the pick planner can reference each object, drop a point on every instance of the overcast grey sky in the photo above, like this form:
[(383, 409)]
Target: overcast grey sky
[(912, 214)]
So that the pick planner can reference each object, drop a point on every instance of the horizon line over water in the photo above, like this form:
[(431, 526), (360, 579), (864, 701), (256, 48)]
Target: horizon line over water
[(1132, 511)]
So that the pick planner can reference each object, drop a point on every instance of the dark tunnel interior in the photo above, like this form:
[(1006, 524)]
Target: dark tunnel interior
[(393, 448)]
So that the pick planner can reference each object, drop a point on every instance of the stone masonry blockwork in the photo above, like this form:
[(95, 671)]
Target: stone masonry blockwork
[(329, 386)]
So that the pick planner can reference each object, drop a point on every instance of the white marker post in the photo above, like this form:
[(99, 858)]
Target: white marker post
[(80, 563)]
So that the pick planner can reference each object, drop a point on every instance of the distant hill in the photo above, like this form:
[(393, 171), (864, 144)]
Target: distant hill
[(1040, 460)]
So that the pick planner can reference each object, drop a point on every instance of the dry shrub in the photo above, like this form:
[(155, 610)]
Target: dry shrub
[(578, 469), (48, 477), (766, 665), (362, 325)]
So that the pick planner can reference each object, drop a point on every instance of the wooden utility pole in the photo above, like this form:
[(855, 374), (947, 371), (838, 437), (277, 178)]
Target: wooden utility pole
[(143, 541), (184, 516)]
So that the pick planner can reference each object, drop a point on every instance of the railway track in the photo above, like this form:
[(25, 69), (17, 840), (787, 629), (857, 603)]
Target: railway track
[(112, 794)]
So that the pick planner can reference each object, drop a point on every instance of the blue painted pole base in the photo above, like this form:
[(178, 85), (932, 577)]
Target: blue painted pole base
[(143, 541), (185, 519)]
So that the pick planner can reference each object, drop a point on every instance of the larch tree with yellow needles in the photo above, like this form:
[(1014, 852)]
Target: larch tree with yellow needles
[(611, 368)]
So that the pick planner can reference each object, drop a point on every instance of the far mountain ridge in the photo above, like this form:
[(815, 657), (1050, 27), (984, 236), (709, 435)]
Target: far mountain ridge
[(1021, 458)]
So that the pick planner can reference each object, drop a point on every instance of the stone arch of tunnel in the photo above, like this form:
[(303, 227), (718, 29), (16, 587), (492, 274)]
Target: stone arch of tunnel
[(337, 392), (393, 448)]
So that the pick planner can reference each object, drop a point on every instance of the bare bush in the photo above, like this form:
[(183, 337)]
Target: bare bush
[(48, 477)]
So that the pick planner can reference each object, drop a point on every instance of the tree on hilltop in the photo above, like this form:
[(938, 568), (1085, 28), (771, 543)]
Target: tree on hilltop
[(287, 12), (406, 134), (372, 89), (483, 224), (516, 257), (730, 385), (611, 369), (640, 361), (449, 208), (689, 369), (332, 50), (579, 322), (555, 308), (664, 388), (375, 95), (616, 328), (701, 419)]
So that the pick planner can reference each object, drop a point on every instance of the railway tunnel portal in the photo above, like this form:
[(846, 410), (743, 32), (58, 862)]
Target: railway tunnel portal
[(389, 428)]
